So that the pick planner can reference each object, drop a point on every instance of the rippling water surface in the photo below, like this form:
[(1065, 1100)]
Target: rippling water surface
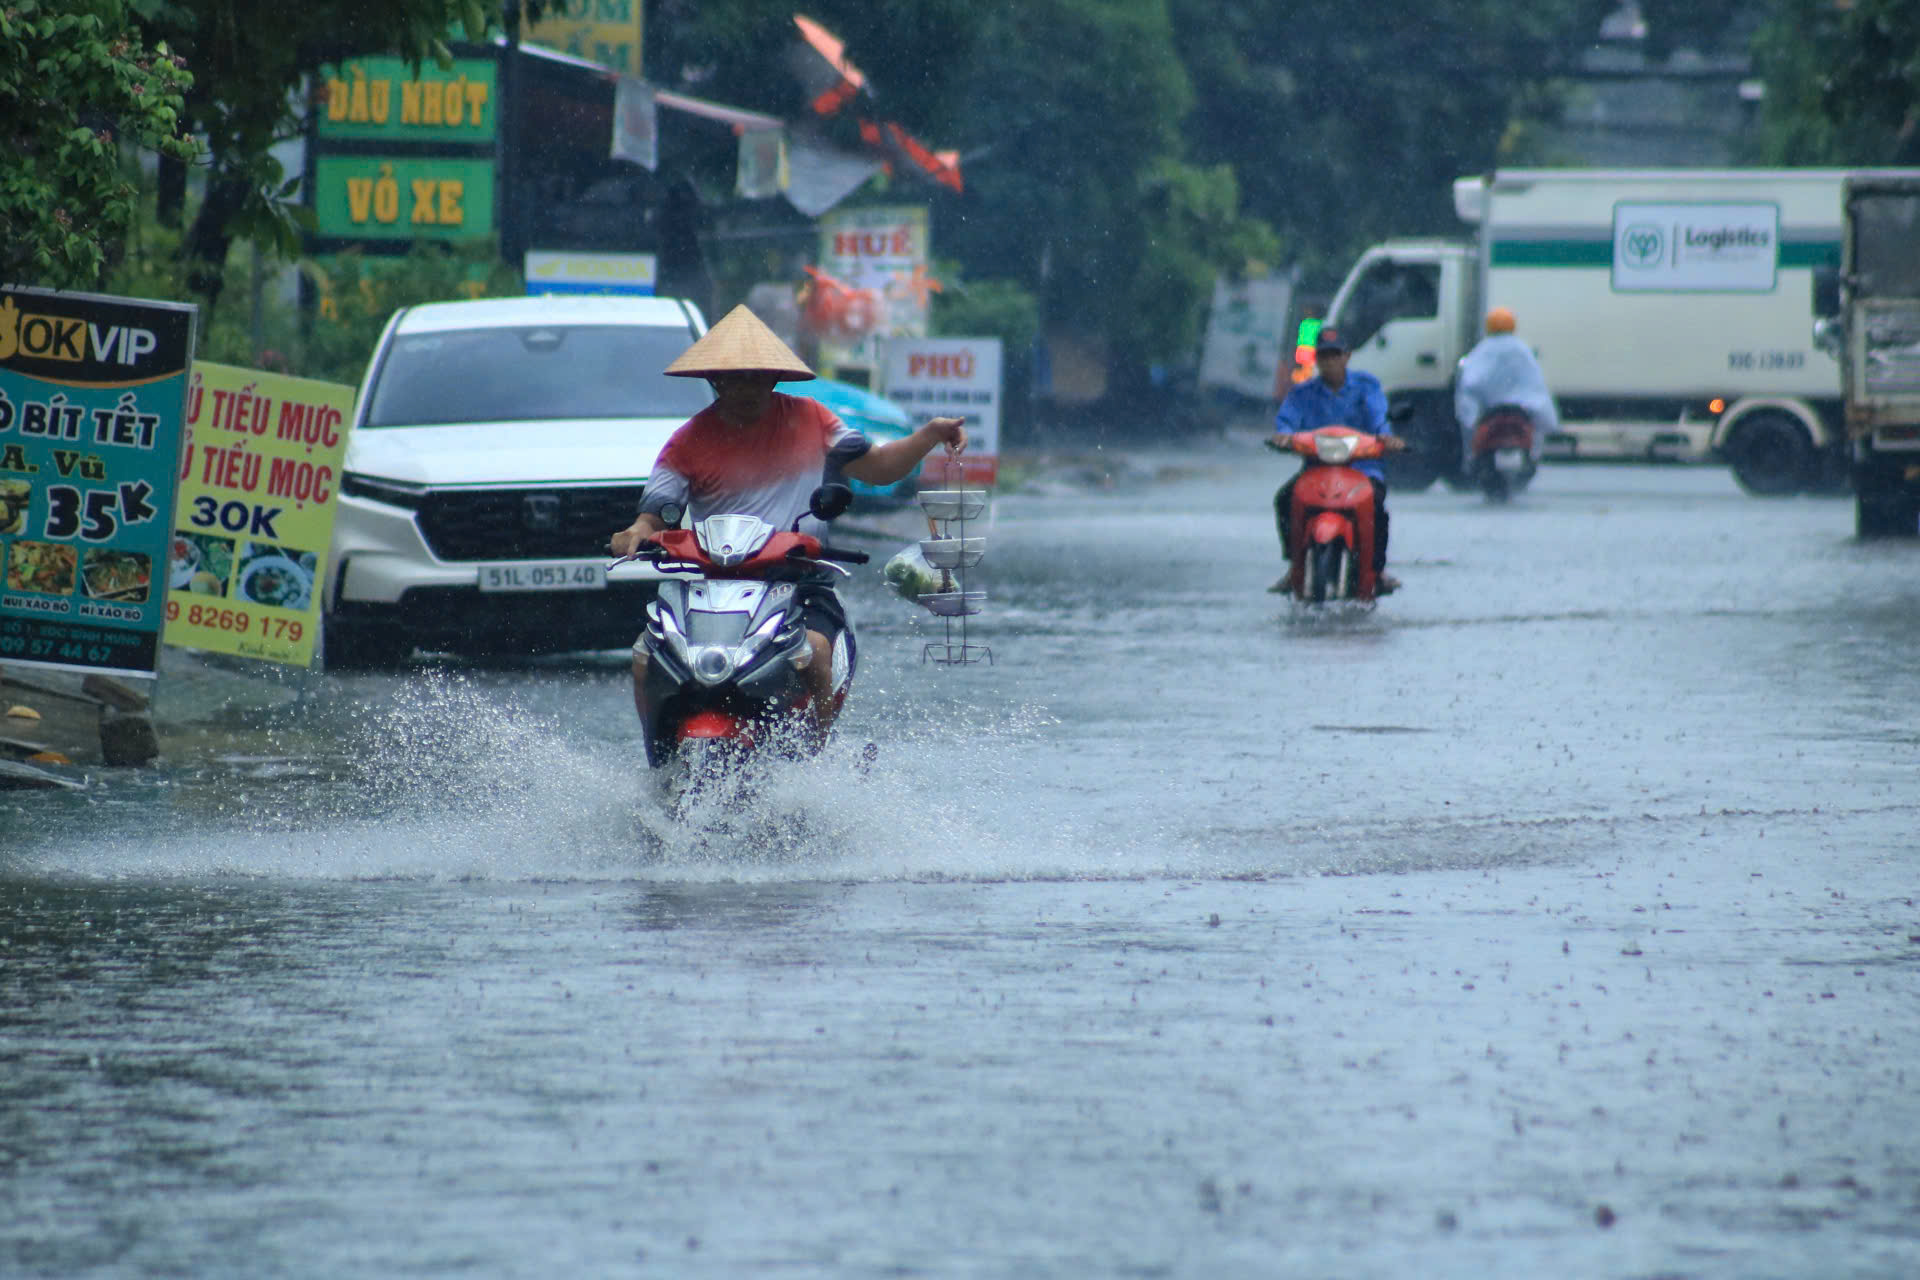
[(1558, 915)]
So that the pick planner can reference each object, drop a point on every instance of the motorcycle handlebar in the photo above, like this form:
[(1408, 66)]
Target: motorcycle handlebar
[(645, 551), (655, 552)]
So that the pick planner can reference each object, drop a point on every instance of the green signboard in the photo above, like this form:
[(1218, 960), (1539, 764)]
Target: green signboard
[(604, 31), (403, 197), (381, 98)]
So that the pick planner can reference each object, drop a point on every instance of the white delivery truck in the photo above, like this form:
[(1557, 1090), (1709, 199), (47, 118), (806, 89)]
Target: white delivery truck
[(1671, 310)]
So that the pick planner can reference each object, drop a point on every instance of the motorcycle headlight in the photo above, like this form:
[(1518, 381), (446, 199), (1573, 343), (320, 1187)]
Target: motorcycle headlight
[(712, 664), (1336, 450)]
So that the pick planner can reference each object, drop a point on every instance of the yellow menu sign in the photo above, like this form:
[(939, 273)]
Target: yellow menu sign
[(258, 474)]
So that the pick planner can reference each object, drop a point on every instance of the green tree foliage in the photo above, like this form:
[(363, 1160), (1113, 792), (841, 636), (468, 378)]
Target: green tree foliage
[(991, 308), (250, 57), (1068, 114), (1080, 179), (76, 81), (1346, 127), (358, 295), (1843, 82)]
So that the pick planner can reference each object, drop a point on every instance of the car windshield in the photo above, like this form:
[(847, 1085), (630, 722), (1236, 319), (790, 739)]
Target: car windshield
[(540, 372)]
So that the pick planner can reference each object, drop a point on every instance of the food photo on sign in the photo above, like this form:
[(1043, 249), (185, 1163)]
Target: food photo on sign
[(277, 576), (46, 568), (123, 577), (201, 563), (15, 495)]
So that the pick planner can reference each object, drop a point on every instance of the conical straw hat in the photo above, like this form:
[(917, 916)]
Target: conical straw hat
[(741, 342)]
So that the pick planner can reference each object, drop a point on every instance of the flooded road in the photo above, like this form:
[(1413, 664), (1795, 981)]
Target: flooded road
[(1560, 914)]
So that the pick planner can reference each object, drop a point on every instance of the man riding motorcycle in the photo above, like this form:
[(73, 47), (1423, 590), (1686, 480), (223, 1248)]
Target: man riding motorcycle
[(1501, 370), (1337, 396), (756, 451)]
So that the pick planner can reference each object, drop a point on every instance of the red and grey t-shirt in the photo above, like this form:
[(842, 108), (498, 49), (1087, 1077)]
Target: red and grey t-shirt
[(768, 468)]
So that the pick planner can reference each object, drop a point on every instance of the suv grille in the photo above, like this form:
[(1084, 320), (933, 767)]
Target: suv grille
[(536, 522)]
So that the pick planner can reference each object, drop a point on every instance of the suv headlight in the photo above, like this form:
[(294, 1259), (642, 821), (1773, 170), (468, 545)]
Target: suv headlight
[(394, 493)]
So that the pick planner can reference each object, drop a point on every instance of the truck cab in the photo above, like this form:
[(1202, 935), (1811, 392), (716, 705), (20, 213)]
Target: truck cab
[(1879, 346), (1408, 309)]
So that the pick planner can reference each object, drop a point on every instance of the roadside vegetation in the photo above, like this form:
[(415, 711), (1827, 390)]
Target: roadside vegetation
[(1119, 155)]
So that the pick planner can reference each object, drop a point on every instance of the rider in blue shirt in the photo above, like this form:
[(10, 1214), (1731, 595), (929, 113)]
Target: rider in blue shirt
[(1337, 396)]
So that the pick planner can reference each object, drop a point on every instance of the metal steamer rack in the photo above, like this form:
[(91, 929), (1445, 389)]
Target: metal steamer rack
[(953, 551)]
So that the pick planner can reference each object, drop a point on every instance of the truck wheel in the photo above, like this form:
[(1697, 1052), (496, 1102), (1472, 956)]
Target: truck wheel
[(352, 644), (1771, 455)]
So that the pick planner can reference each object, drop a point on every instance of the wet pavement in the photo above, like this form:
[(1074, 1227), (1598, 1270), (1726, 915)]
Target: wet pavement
[(1558, 914)]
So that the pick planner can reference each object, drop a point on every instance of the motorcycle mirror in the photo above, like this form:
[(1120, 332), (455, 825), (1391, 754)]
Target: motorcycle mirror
[(1400, 413), (830, 501)]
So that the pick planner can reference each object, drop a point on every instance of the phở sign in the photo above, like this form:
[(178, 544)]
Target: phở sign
[(951, 378)]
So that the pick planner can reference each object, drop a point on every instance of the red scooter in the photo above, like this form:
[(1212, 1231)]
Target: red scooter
[(1500, 459), (1330, 523)]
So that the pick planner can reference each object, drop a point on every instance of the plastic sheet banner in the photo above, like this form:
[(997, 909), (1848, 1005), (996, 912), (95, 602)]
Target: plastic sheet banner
[(1247, 338), (258, 475), (92, 392), (636, 123), (762, 168)]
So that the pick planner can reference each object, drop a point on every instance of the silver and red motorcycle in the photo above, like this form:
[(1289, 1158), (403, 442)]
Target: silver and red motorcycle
[(726, 638)]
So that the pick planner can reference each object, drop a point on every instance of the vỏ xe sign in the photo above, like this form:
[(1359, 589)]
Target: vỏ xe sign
[(401, 197)]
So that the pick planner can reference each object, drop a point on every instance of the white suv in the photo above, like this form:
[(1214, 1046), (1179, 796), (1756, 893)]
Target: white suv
[(497, 444)]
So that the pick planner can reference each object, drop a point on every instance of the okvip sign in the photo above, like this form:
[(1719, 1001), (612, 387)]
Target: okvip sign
[(951, 378), (92, 390)]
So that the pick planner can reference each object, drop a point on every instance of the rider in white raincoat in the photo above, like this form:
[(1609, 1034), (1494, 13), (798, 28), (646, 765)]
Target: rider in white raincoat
[(1501, 370)]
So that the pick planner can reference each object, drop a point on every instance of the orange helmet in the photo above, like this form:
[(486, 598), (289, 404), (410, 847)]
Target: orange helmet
[(1500, 320)]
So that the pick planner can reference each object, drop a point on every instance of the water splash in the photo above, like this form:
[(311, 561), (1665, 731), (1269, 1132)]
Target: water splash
[(452, 777)]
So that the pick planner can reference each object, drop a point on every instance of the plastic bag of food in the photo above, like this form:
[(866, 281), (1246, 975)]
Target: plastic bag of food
[(911, 576)]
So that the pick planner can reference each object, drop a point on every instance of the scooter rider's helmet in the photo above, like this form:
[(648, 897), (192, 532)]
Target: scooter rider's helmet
[(1499, 320)]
